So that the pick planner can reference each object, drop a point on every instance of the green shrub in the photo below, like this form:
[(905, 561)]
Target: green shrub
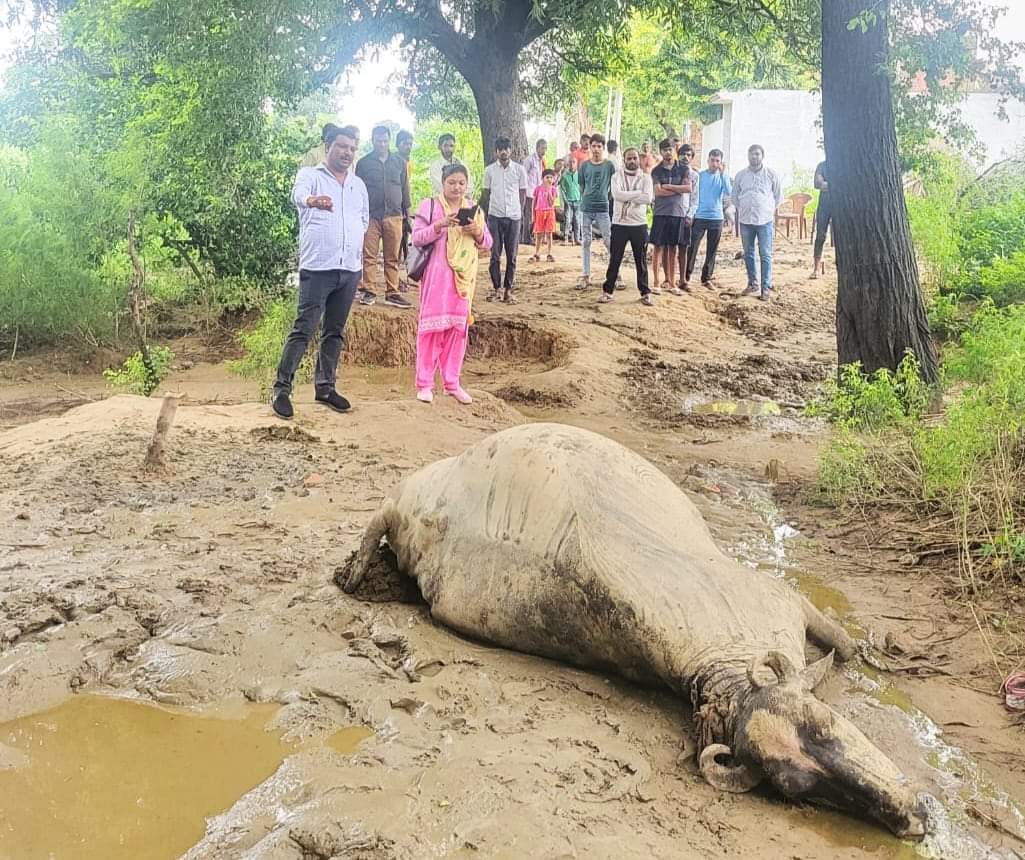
[(262, 345), (967, 464), (133, 376), (946, 315), (876, 402), (1003, 280), (933, 215)]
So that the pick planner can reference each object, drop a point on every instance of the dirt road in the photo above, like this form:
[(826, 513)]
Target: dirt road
[(211, 587)]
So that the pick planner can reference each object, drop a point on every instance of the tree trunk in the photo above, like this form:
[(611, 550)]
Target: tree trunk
[(496, 89), (879, 310)]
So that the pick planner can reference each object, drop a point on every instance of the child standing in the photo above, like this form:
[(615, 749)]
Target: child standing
[(569, 193), (544, 215)]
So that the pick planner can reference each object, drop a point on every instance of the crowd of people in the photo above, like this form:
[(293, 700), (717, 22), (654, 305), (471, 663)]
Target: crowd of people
[(353, 212)]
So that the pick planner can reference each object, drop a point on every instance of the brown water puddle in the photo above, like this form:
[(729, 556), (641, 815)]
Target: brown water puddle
[(108, 778)]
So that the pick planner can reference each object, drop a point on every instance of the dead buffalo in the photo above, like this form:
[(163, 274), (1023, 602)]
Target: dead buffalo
[(556, 541)]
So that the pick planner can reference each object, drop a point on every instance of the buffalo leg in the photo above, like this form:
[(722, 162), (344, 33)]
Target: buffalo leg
[(379, 526), (827, 633)]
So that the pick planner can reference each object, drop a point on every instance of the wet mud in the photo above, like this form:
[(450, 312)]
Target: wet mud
[(209, 593)]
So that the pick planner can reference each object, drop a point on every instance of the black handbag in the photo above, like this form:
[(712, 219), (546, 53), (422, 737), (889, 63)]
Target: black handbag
[(416, 260)]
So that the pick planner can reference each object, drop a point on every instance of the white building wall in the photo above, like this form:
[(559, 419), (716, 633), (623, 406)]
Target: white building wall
[(1002, 138), (788, 124), (784, 122)]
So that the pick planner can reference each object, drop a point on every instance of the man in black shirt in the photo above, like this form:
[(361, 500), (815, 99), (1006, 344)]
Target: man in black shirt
[(384, 173)]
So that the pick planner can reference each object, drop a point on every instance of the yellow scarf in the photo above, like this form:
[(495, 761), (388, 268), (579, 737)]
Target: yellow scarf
[(463, 257)]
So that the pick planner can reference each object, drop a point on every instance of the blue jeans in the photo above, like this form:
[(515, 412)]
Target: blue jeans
[(603, 222), (571, 221), (763, 234)]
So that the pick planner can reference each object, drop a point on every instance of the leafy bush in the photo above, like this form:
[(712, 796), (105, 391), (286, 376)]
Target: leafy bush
[(134, 377), (262, 345), (934, 214), (947, 316), (876, 402), (967, 465), (1003, 280)]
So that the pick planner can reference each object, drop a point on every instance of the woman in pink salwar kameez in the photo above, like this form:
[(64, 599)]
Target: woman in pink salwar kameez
[(447, 285)]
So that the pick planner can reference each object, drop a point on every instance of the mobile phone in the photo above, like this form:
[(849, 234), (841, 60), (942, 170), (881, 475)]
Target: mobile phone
[(465, 216)]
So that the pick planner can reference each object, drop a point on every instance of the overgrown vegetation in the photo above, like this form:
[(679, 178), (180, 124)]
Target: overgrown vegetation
[(957, 471), (950, 462), (135, 378), (262, 345)]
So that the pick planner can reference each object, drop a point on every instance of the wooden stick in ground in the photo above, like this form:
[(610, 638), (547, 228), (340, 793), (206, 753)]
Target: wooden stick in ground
[(155, 453)]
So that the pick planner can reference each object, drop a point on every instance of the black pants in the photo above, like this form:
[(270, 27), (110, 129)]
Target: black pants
[(697, 233), (823, 216), (526, 223), (505, 233), (638, 239), (324, 297)]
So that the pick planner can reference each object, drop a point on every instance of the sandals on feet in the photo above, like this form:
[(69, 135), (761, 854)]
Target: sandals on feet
[(534, 259), (509, 298), (550, 259)]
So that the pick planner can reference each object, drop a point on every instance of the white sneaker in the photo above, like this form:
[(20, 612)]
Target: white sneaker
[(425, 395)]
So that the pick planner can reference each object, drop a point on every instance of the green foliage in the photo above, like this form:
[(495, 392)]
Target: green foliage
[(876, 402), (947, 317), (262, 345), (425, 149), (934, 213), (968, 463), (135, 378)]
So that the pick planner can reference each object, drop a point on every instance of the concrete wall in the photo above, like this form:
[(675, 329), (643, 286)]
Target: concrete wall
[(787, 123)]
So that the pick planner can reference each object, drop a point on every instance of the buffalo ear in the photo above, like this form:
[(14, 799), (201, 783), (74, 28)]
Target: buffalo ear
[(736, 778), (814, 674), (783, 670)]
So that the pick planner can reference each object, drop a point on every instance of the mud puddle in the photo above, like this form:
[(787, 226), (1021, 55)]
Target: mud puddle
[(100, 777), (961, 795)]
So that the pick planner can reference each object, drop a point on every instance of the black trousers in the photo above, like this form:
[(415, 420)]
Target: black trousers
[(700, 227), (505, 233), (823, 215), (326, 295), (638, 239)]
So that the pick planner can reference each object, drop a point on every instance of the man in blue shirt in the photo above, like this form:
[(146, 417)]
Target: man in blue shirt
[(713, 187), (334, 211)]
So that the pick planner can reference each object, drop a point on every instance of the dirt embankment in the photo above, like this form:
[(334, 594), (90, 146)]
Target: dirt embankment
[(214, 583)]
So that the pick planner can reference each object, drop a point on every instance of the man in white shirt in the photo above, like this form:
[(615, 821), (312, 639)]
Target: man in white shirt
[(757, 193), (504, 197), (535, 165), (631, 197), (334, 211), (447, 148)]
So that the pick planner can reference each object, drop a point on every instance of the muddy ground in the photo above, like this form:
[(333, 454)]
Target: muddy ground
[(213, 584)]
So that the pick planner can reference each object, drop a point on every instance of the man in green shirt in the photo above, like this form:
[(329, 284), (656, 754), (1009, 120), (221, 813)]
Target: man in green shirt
[(595, 185), (569, 191)]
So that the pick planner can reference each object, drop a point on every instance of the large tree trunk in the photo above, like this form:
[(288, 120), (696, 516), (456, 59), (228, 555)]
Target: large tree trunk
[(879, 310), (496, 89)]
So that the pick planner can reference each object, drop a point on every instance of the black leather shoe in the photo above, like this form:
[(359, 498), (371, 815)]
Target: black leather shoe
[(282, 405), (334, 400)]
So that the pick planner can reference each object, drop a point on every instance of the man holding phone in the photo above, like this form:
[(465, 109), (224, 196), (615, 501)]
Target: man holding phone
[(334, 211)]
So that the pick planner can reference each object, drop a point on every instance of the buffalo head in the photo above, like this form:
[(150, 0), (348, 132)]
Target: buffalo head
[(809, 752)]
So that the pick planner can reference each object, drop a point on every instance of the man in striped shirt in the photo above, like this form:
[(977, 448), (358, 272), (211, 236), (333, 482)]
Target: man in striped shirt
[(334, 211)]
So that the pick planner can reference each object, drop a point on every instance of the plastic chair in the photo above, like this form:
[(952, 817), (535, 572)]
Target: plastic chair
[(792, 210)]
